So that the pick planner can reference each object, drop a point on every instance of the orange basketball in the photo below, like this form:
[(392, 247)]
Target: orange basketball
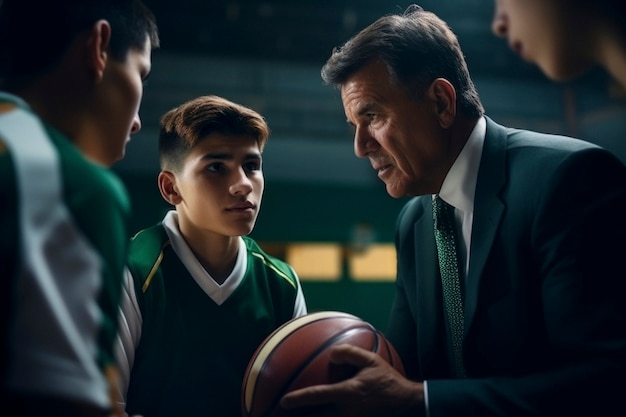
[(296, 355)]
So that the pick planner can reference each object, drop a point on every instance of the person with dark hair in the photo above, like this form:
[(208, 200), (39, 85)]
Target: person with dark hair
[(510, 292), (566, 38), (71, 82), (201, 295)]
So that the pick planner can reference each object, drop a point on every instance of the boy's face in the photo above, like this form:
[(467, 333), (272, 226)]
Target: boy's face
[(119, 97), (548, 33), (220, 186)]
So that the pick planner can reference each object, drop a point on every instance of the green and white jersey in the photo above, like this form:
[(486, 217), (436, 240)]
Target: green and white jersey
[(63, 243), (185, 340)]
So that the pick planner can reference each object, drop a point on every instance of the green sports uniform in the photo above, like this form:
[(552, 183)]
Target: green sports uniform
[(63, 241), (187, 340)]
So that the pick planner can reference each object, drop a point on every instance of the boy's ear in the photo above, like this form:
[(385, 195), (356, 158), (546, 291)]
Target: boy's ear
[(168, 189), (98, 45)]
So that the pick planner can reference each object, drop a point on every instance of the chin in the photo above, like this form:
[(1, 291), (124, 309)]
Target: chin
[(565, 72), (244, 230), (394, 192)]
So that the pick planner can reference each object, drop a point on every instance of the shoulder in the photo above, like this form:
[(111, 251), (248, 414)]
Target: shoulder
[(93, 195), (545, 153), (536, 142), (91, 184), (146, 251), (273, 265), (103, 186), (148, 243)]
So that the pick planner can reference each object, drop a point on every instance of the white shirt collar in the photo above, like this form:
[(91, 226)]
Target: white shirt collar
[(218, 293), (459, 185)]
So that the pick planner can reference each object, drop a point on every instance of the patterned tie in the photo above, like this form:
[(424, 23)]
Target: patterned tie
[(445, 236)]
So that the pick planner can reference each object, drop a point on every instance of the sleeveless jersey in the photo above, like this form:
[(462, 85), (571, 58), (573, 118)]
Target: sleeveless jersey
[(193, 352), (63, 241)]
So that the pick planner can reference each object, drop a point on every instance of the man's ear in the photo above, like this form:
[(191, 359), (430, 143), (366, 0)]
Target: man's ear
[(443, 95), (98, 44), (168, 189)]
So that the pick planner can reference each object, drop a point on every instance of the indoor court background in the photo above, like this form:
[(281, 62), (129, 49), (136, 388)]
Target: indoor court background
[(323, 208)]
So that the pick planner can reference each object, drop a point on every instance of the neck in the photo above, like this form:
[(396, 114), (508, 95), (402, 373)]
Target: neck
[(458, 134), (461, 130), (611, 49), (615, 64), (216, 253)]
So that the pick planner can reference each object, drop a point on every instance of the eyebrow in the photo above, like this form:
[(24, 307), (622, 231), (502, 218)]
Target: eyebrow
[(366, 108), (224, 155), (362, 110)]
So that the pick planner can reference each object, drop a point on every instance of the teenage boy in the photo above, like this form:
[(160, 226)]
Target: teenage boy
[(201, 295)]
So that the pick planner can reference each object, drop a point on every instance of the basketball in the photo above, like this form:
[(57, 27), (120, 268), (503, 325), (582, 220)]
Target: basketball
[(296, 355)]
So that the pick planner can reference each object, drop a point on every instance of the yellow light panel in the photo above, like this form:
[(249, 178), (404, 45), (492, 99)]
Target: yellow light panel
[(376, 263), (315, 262)]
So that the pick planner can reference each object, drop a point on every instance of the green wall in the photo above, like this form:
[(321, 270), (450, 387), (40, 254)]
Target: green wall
[(306, 213)]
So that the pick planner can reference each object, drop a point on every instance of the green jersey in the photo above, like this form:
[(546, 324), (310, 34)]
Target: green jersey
[(194, 337), (63, 241)]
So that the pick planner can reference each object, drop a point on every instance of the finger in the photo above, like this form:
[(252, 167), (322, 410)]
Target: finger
[(353, 355)]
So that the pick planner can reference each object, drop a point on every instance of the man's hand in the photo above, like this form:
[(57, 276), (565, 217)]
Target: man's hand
[(376, 390)]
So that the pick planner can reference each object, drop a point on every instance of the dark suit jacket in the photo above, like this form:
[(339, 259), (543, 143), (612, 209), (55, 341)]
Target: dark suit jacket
[(545, 296)]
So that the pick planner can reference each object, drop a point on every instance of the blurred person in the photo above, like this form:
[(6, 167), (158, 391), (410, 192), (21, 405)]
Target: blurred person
[(71, 82), (201, 295), (537, 326), (565, 38)]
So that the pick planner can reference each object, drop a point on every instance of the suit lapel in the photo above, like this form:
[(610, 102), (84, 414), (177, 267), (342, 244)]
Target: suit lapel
[(488, 211)]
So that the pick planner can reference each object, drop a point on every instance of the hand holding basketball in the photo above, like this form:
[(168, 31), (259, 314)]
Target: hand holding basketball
[(377, 390), (298, 355)]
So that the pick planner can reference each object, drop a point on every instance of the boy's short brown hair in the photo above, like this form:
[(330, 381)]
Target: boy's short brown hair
[(184, 126)]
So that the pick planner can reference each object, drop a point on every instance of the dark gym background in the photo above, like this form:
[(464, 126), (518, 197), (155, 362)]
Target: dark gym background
[(267, 55)]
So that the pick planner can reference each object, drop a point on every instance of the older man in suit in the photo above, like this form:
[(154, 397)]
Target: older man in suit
[(529, 317)]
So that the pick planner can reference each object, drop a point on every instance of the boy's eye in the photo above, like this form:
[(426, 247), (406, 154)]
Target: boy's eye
[(215, 167), (252, 166)]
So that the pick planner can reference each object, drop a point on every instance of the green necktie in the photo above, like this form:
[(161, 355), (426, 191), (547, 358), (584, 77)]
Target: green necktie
[(443, 215)]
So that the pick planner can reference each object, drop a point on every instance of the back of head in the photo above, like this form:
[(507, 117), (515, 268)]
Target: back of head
[(417, 47), (184, 126), (34, 34)]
